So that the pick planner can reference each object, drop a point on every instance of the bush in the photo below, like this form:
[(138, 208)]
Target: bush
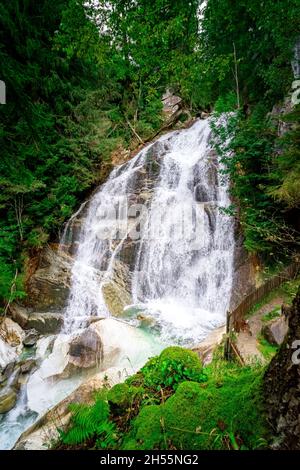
[(173, 366)]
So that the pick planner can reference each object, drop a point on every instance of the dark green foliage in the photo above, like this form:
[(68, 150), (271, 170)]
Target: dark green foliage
[(285, 177), (46, 152), (70, 96), (249, 148), (263, 166), (264, 33), (74, 96)]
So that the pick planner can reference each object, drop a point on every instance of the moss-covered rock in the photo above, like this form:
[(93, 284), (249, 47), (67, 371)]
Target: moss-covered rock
[(178, 421), (147, 431), (123, 396), (188, 417), (213, 415)]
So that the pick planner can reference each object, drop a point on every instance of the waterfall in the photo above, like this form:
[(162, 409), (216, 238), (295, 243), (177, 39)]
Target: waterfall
[(156, 235)]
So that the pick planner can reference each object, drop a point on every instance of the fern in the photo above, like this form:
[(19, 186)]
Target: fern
[(87, 422), (107, 433)]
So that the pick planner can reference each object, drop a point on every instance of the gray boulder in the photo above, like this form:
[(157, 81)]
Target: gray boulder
[(45, 323), (31, 338), (275, 331)]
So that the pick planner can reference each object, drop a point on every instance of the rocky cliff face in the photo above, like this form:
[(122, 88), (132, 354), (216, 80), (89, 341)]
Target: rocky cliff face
[(282, 385)]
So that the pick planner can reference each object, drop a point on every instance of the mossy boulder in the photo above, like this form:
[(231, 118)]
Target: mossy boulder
[(123, 396), (147, 431), (178, 421), (204, 416), (188, 417)]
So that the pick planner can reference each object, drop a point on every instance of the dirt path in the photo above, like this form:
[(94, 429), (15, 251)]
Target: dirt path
[(247, 342)]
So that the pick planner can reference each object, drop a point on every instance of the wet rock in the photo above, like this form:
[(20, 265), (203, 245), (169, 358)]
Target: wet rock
[(27, 366), (85, 350), (145, 320), (22, 380), (123, 346), (9, 369), (8, 400), (171, 104), (116, 292), (201, 193), (44, 346), (13, 378), (212, 218), (246, 270), (204, 115), (48, 287), (45, 323), (71, 355), (19, 314), (128, 255), (7, 354), (12, 333), (31, 338), (275, 331), (206, 348), (94, 319)]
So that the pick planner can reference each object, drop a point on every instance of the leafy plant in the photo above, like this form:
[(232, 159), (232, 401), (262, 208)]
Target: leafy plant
[(171, 368), (90, 422)]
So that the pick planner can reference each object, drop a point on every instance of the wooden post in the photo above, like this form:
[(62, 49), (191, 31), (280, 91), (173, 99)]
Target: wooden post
[(227, 342)]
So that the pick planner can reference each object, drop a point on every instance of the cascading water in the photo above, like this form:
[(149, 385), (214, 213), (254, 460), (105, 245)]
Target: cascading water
[(180, 269)]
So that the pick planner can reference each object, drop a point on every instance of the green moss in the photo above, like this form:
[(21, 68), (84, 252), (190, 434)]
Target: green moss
[(212, 415), (187, 417), (123, 396), (146, 430), (267, 349), (189, 358)]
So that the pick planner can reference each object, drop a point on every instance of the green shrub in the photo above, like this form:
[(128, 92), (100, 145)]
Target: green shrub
[(173, 366)]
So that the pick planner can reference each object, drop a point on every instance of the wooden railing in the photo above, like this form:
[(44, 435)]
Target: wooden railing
[(236, 318)]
